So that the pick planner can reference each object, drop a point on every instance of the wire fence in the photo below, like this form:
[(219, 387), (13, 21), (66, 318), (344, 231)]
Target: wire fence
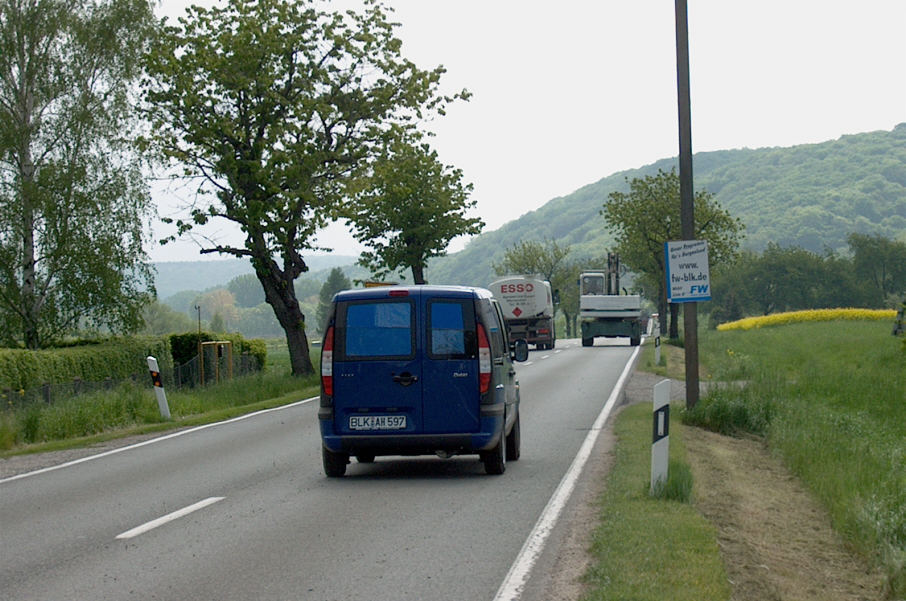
[(187, 375)]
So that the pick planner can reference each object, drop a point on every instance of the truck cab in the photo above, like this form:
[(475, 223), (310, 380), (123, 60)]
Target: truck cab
[(603, 311)]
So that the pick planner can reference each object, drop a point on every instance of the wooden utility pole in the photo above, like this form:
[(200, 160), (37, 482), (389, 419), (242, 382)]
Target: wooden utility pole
[(687, 215)]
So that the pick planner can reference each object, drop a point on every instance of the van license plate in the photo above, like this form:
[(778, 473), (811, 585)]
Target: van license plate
[(377, 422)]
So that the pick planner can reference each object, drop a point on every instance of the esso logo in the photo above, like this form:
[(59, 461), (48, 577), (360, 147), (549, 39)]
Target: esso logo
[(515, 288)]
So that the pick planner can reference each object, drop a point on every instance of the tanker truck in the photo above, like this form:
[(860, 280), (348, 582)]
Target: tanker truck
[(528, 308), (603, 311)]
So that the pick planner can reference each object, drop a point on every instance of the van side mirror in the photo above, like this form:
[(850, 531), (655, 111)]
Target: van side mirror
[(519, 350)]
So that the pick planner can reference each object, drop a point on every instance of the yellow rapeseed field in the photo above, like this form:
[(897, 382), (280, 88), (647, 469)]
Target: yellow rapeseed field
[(777, 319)]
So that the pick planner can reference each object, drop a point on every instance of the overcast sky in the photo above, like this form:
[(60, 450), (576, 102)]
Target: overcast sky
[(566, 93)]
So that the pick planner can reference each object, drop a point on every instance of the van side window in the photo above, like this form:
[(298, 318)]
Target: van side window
[(451, 330), (376, 329), (498, 329)]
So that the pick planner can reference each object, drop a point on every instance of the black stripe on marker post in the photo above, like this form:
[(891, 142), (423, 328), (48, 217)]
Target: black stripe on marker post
[(661, 429)]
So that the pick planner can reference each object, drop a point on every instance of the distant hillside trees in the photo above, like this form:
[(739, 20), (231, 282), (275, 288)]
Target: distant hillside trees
[(246, 290), (811, 196), (73, 201), (646, 217), (296, 99), (160, 319), (788, 279), (409, 208), (881, 263), (335, 282)]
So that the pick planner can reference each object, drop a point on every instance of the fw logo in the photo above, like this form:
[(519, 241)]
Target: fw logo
[(698, 290)]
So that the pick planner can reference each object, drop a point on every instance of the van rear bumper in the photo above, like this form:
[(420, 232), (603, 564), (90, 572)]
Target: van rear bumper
[(412, 444)]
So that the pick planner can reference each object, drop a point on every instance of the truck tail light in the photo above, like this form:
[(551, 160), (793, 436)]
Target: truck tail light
[(327, 363), (484, 361)]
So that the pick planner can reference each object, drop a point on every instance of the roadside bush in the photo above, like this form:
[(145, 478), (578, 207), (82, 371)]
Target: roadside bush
[(731, 413)]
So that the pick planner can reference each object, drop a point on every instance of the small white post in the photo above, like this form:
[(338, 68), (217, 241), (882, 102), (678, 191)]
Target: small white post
[(657, 347), (660, 436), (159, 388)]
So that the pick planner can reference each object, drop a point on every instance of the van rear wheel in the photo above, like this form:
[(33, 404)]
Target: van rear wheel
[(513, 442), (495, 459), (334, 463)]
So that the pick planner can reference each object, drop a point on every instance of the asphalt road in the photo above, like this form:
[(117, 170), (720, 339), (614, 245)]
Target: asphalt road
[(242, 510)]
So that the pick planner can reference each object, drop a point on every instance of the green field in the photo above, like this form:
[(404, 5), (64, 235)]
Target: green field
[(831, 399)]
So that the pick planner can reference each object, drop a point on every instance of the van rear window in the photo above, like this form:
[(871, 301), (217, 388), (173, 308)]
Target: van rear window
[(376, 329), (451, 334)]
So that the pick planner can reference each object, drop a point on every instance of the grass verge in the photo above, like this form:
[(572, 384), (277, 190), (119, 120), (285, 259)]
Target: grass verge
[(132, 409), (671, 360), (647, 547)]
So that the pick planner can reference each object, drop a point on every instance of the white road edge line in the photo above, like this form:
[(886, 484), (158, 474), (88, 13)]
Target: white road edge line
[(169, 518), (512, 586), (153, 440)]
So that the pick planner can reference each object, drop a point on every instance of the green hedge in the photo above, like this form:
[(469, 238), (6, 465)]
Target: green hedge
[(116, 358)]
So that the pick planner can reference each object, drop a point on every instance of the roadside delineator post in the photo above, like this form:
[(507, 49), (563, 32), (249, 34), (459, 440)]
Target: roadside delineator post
[(657, 347), (159, 388), (660, 436)]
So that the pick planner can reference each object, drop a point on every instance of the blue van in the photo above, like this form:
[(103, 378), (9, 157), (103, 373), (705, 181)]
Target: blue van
[(418, 370)]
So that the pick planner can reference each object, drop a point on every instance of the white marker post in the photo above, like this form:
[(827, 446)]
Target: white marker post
[(660, 438), (657, 347), (159, 388)]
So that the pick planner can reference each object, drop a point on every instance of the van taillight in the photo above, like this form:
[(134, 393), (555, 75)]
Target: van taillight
[(484, 361), (327, 363)]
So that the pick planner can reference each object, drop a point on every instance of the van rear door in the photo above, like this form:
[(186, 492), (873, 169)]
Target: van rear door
[(450, 392), (376, 372)]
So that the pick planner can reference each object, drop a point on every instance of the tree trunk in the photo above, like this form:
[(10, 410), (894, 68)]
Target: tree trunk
[(674, 326), (418, 274), (281, 296), (662, 307), (30, 309)]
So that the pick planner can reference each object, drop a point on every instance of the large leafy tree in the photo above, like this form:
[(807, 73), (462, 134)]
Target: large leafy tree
[(534, 257), (647, 216), (409, 208), (72, 196), (274, 105)]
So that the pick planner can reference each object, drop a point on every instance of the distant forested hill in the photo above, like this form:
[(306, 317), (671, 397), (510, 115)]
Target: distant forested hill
[(178, 276), (812, 196)]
